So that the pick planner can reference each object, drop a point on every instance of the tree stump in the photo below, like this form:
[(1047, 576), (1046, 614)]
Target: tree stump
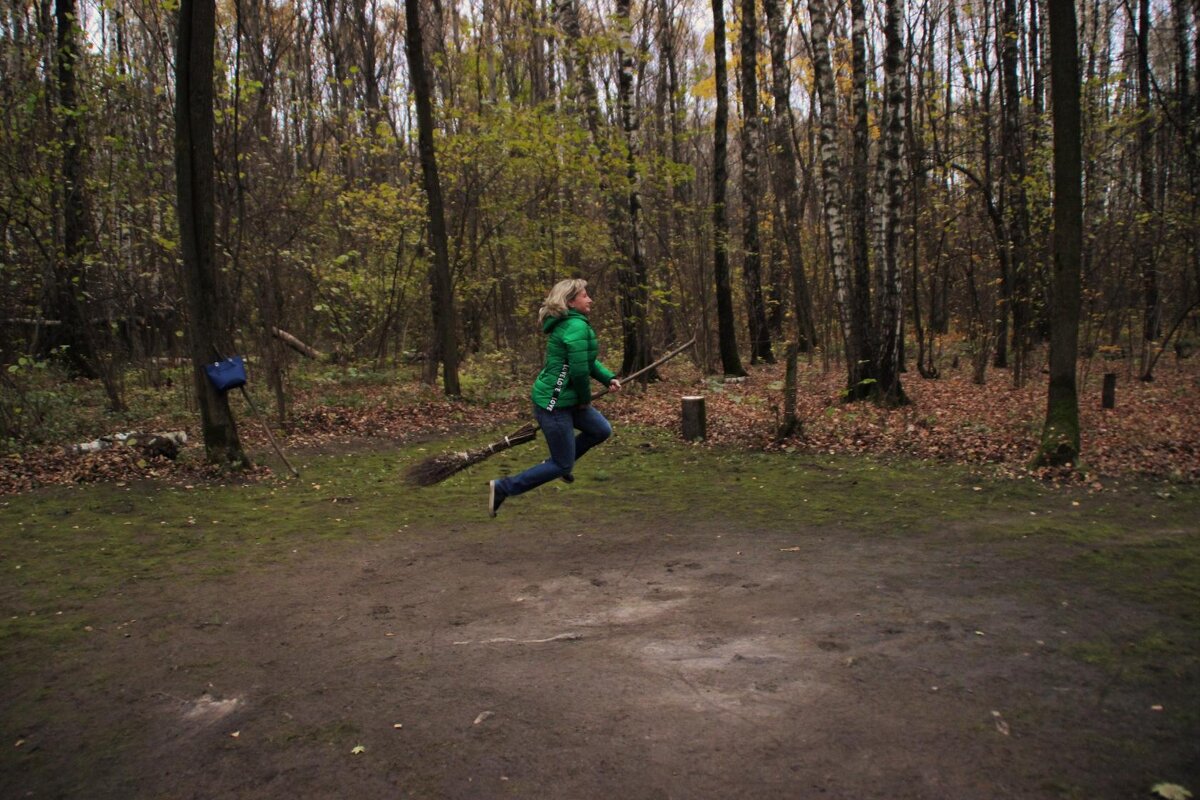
[(694, 422), (1108, 397)]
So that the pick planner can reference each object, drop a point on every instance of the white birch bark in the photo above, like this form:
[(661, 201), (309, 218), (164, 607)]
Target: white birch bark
[(831, 170)]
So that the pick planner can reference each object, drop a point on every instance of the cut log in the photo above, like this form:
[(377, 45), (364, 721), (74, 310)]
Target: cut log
[(694, 419), (155, 444), (1108, 396)]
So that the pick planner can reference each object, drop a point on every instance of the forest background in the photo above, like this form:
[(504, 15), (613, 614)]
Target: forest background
[(873, 185)]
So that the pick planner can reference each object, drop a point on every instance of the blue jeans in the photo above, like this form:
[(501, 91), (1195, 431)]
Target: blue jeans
[(558, 426)]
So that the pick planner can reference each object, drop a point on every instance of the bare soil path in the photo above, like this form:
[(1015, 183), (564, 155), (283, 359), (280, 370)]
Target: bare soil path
[(669, 656)]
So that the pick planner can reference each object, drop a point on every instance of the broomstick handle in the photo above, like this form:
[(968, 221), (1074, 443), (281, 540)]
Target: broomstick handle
[(437, 469), (606, 390), (630, 377), (646, 369)]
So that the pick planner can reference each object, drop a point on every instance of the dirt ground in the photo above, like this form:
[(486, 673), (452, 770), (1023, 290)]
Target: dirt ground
[(657, 658)]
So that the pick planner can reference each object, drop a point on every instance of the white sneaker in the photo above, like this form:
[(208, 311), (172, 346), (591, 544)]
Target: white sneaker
[(494, 499)]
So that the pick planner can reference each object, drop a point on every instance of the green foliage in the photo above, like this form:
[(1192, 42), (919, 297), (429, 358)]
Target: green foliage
[(40, 403), (488, 377), (36, 403), (332, 379), (321, 220)]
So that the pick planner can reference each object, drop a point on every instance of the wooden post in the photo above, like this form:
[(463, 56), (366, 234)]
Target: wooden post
[(790, 424), (694, 422), (1108, 397)]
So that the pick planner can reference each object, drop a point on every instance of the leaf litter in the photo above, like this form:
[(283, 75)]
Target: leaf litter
[(1153, 433)]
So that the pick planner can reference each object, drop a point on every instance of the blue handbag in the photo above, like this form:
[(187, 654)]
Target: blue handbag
[(228, 373)]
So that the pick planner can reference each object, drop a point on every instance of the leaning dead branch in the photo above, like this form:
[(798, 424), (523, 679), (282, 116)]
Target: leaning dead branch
[(299, 346)]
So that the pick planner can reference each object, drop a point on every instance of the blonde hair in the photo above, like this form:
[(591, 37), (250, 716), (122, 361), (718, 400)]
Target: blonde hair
[(555, 304)]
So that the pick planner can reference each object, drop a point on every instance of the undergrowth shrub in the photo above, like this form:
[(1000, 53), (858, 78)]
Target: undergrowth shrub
[(38, 403), (488, 377)]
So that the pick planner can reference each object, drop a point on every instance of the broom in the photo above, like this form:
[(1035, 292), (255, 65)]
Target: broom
[(439, 468)]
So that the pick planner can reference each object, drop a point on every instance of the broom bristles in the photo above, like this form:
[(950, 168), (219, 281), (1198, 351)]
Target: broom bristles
[(438, 468)]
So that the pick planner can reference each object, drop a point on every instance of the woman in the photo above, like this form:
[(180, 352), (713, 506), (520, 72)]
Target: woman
[(562, 395)]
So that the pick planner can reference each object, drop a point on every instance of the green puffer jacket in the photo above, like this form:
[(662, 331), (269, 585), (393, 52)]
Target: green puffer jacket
[(571, 350)]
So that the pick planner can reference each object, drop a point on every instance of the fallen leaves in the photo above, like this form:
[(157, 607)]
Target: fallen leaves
[(1171, 791), (1154, 433)]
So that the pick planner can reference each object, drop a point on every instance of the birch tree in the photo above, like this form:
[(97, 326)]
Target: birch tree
[(862, 373), (887, 359), (831, 181)]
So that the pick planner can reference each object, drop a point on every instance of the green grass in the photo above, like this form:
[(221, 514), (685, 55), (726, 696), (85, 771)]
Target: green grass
[(62, 548), (1143, 660)]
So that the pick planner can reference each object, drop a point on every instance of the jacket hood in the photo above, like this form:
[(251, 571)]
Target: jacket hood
[(549, 322)]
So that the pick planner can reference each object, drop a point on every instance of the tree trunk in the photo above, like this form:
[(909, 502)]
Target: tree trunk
[(207, 330), (731, 363), (786, 186), (65, 277), (674, 221), (443, 345), (337, 57), (365, 28), (1016, 209), (620, 209), (887, 359), (831, 180), (918, 124), (1147, 260), (760, 334), (578, 70), (862, 369), (631, 277), (789, 425), (1060, 435), (727, 340)]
